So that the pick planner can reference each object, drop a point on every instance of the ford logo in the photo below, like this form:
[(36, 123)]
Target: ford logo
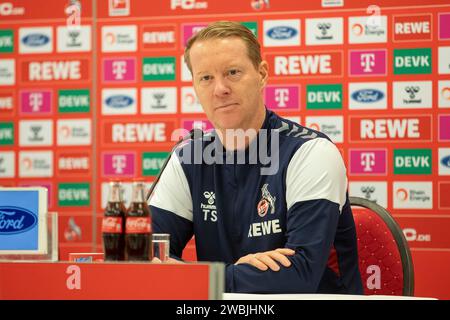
[(446, 161), (368, 95), (15, 220), (119, 101), (35, 40), (281, 33)]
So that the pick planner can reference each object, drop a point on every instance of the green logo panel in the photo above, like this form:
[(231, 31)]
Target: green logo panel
[(6, 133), (152, 162), (412, 161), (412, 61), (74, 194), (74, 101), (158, 69), (327, 96)]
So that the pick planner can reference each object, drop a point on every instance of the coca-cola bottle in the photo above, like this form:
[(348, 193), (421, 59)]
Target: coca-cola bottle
[(138, 227), (113, 224)]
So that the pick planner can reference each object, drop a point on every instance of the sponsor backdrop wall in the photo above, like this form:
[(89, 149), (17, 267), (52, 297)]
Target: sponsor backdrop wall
[(83, 104)]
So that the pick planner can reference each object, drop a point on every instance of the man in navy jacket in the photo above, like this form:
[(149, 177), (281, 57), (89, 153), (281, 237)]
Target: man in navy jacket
[(266, 196)]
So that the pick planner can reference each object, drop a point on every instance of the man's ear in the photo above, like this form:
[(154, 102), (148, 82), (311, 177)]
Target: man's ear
[(263, 72)]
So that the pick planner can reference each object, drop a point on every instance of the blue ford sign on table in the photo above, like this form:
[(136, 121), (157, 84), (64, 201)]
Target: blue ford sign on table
[(23, 220)]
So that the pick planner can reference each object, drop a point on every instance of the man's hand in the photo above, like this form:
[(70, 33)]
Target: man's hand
[(170, 260), (268, 259)]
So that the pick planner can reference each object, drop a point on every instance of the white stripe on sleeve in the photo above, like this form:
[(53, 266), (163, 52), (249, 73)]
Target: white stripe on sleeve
[(316, 171), (172, 192)]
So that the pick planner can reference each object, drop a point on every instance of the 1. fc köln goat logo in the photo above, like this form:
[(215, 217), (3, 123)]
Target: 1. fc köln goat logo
[(267, 201)]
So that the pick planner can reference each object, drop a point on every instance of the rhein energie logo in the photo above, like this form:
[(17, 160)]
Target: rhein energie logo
[(15, 220)]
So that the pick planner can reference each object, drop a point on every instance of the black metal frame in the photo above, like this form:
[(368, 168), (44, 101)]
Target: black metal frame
[(402, 244)]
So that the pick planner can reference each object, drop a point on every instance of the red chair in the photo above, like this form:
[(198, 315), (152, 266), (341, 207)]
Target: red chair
[(385, 260)]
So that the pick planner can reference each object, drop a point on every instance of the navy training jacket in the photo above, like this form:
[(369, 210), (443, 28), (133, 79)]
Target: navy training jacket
[(233, 209)]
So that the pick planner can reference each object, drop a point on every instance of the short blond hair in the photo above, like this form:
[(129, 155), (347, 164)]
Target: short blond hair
[(226, 29)]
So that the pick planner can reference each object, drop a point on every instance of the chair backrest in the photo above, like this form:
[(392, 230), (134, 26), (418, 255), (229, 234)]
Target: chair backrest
[(385, 260)]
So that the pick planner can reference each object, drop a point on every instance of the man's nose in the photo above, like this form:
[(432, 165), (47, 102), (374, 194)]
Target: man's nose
[(221, 88)]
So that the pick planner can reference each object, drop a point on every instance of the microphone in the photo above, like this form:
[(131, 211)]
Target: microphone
[(194, 133)]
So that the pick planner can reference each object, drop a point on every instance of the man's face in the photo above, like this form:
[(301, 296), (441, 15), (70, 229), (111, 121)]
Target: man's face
[(227, 83)]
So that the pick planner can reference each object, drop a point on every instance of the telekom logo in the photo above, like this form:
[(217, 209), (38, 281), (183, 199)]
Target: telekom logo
[(119, 162), (119, 68), (36, 100), (281, 97), (367, 61), (367, 161), (402, 194)]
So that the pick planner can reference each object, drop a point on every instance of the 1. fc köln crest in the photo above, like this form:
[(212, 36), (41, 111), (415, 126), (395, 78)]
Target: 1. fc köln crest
[(267, 202)]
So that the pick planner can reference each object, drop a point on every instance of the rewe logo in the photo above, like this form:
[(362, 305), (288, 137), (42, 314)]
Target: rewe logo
[(368, 162), (75, 163), (188, 4), (134, 132), (282, 97), (159, 37), (60, 70), (368, 62), (6, 102), (308, 64), (412, 27), (14, 220), (413, 128)]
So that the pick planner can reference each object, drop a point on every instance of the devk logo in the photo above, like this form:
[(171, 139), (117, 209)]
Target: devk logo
[(15, 220)]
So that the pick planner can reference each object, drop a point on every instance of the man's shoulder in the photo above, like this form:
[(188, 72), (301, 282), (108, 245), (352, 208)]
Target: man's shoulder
[(292, 133)]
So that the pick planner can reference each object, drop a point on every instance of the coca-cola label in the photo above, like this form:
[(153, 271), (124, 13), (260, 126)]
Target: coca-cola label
[(138, 225), (14, 220), (112, 225)]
